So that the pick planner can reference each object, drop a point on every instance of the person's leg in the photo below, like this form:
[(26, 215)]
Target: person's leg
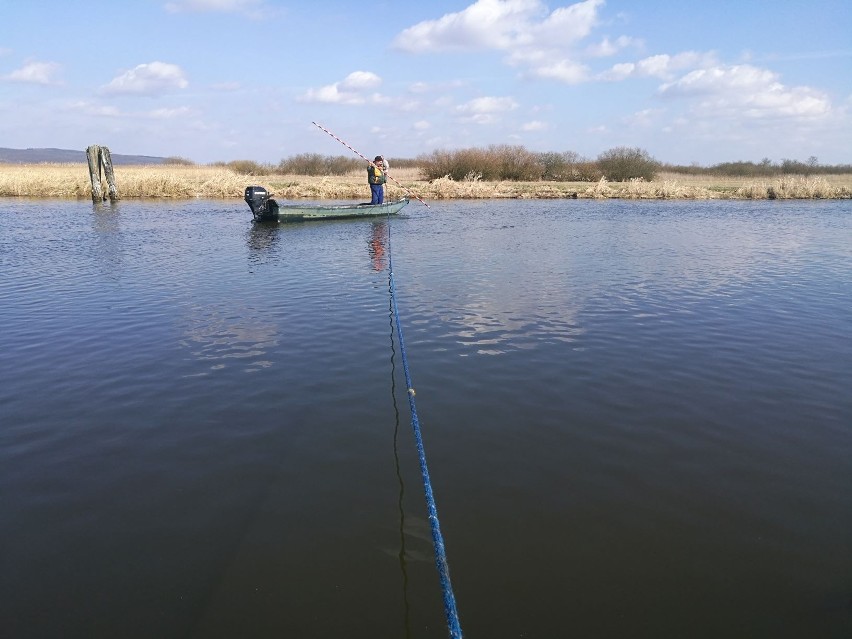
[(381, 193), (375, 190)]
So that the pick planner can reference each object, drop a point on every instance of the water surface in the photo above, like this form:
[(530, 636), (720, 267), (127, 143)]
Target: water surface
[(636, 414)]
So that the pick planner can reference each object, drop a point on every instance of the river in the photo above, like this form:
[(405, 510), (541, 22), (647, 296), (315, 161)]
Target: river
[(637, 418)]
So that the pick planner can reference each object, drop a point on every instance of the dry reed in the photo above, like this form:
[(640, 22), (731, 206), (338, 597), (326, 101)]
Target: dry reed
[(182, 181), (794, 188)]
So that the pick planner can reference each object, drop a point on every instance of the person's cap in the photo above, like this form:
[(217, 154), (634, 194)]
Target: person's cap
[(377, 158)]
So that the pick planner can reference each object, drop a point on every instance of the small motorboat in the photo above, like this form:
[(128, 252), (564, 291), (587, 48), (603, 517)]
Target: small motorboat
[(266, 209)]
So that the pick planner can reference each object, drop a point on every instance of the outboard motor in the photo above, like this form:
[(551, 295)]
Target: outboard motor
[(262, 206)]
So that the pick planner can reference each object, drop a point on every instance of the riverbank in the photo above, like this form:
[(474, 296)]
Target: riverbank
[(218, 182)]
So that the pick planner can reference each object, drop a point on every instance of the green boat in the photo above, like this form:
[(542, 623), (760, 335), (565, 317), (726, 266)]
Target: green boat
[(265, 209)]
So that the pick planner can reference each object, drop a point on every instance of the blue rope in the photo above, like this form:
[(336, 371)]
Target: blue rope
[(453, 623)]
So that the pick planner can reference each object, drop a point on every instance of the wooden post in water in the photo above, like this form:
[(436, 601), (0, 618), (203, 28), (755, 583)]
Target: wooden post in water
[(99, 157), (93, 154), (106, 160)]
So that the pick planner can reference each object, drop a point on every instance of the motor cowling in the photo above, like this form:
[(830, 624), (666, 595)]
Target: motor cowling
[(262, 206)]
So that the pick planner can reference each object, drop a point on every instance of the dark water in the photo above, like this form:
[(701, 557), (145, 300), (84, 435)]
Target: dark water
[(637, 415)]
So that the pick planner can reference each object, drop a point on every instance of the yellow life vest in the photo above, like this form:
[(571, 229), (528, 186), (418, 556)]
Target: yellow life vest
[(375, 175)]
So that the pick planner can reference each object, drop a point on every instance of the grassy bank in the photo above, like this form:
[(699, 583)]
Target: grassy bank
[(182, 181)]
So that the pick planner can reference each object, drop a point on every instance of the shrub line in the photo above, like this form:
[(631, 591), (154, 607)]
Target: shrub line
[(221, 182)]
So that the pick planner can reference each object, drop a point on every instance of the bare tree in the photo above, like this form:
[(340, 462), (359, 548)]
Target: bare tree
[(625, 163)]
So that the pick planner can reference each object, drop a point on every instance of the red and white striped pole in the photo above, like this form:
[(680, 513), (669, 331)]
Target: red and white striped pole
[(322, 128)]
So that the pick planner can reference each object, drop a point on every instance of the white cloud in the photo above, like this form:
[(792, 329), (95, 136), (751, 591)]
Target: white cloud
[(486, 110), (565, 71), (744, 90), (720, 78), (248, 7), (534, 125), (661, 66), (643, 118), (351, 90), (488, 105), (421, 125), (566, 25), (103, 110), (502, 25), (607, 47), (486, 24), (34, 73), (533, 38), (168, 114), (154, 78), (360, 80)]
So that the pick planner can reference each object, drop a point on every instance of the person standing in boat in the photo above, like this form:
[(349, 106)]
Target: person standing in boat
[(377, 178)]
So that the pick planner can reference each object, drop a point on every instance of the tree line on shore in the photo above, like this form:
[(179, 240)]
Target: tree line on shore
[(516, 163)]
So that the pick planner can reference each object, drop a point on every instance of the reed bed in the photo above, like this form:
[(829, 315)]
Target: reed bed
[(195, 181), (795, 188)]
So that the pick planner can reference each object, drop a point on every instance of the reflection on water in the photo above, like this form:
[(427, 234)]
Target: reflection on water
[(378, 244), (403, 559), (217, 336), (109, 240), (262, 236), (488, 329)]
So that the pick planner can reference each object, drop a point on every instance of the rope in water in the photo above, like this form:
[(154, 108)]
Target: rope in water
[(453, 623)]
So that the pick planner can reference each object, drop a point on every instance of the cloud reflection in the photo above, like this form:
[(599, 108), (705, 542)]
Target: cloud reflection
[(229, 337)]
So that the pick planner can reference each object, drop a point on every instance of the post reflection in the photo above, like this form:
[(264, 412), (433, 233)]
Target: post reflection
[(109, 239)]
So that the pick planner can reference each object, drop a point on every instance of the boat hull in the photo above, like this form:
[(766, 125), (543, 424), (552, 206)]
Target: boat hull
[(304, 212), (299, 212)]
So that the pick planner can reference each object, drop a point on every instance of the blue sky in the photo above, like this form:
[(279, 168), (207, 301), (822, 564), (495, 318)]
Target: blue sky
[(210, 80)]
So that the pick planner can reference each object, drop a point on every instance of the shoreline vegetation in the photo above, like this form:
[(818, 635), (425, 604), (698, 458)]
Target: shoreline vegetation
[(227, 181)]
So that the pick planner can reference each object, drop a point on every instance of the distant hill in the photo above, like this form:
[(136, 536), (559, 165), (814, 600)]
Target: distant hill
[(36, 156)]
